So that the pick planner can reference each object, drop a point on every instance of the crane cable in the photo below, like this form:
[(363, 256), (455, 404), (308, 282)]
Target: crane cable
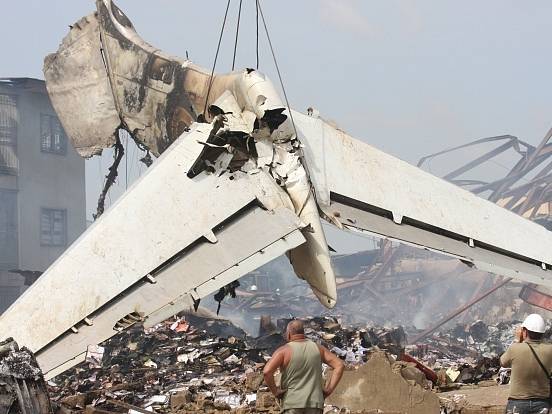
[(237, 33), (257, 32), (259, 12), (277, 67), (215, 60)]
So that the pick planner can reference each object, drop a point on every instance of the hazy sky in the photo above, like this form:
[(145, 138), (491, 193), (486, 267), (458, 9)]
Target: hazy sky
[(409, 77)]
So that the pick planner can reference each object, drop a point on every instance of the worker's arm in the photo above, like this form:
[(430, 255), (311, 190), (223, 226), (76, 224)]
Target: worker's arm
[(270, 368), (338, 367), (506, 358)]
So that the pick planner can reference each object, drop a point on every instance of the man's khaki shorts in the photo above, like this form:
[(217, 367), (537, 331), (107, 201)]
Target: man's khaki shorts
[(304, 411)]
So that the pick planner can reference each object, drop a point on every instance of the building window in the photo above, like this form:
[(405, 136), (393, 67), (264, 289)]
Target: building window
[(9, 246), (8, 134), (53, 227), (52, 135)]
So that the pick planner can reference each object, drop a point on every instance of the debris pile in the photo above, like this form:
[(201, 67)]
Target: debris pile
[(192, 362), (353, 343), (196, 364), (204, 364), (467, 354), (22, 386), (380, 384), (410, 288)]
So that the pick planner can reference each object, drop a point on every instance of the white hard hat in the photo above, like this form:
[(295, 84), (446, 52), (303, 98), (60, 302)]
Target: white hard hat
[(534, 323)]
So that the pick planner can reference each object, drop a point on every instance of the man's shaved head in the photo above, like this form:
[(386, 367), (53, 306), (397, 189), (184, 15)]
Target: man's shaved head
[(295, 327)]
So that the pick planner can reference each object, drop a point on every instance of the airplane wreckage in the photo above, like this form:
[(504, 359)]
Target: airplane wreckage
[(240, 180)]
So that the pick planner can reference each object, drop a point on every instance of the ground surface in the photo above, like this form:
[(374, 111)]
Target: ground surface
[(483, 397)]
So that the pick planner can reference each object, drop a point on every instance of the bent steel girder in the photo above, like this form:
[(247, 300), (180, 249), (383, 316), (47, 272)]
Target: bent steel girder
[(529, 199)]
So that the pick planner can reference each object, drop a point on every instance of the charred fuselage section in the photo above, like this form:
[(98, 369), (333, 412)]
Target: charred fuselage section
[(117, 80)]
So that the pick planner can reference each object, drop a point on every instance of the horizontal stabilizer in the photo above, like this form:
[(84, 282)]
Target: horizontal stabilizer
[(363, 189), (169, 240)]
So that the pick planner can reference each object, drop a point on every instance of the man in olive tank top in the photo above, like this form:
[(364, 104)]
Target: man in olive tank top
[(300, 363)]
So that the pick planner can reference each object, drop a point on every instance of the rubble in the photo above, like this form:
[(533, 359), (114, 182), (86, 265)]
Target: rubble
[(352, 343), (22, 386), (199, 364), (193, 363), (379, 385), (468, 353), (488, 400), (419, 289), (182, 362)]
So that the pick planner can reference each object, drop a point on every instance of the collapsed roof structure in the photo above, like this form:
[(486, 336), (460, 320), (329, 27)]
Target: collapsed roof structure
[(525, 189), (241, 179)]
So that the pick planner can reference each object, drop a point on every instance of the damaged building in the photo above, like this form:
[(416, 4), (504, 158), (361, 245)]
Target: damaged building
[(42, 193)]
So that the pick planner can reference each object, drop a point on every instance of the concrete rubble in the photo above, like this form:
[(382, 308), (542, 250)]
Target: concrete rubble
[(378, 384), (467, 353), (192, 363), (197, 364), (476, 400), (22, 386)]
